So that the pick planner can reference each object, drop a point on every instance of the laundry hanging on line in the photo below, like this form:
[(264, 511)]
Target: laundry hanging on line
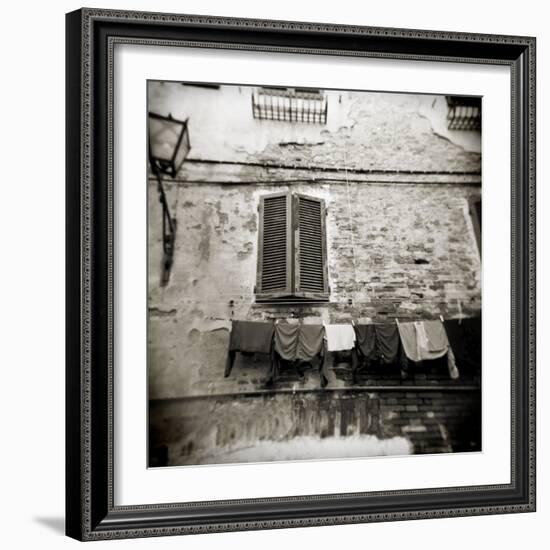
[(386, 342), (298, 341), (339, 337), (378, 342), (426, 341), (251, 336)]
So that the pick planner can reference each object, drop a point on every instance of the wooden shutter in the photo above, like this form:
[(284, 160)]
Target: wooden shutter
[(310, 249), (274, 277)]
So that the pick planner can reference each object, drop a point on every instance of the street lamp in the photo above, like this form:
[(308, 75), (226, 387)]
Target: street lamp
[(168, 147)]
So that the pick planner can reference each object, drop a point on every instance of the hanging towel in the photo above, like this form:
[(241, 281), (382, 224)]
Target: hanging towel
[(286, 340), (339, 337), (251, 336), (366, 340), (310, 341)]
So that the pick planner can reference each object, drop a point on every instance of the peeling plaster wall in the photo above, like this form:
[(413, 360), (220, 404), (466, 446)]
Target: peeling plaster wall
[(368, 130), (400, 244)]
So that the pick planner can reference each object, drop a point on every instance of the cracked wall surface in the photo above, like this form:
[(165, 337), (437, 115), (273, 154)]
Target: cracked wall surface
[(374, 130)]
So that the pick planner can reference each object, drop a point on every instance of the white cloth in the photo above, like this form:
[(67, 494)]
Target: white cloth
[(339, 337)]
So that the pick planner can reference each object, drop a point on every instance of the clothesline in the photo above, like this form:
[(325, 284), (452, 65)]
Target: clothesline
[(388, 343)]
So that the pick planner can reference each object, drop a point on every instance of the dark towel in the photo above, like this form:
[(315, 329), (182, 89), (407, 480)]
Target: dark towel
[(286, 340), (387, 342), (251, 336), (366, 340), (310, 341), (465, 339)]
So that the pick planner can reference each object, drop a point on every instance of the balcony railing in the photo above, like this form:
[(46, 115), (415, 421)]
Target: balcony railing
[(463, 113), (290, 105)]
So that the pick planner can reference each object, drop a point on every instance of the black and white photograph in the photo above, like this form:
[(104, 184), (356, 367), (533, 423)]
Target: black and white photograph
[(314, 273)]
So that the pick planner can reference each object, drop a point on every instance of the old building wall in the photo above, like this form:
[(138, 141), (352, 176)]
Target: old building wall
[(401, 245), (367, 130), (394, 250)]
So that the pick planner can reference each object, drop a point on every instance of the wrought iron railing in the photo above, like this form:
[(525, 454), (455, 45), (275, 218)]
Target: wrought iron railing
[(463, 113), (290, 105)]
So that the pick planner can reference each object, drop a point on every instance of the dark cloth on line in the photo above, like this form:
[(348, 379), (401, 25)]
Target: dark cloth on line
[(366, 340), (297, 341), (286, 340), (465, 338), (310, 342), (387, 342), (251, 336)]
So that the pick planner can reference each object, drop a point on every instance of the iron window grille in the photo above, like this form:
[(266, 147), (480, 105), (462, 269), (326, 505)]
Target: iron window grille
[(463, 113), (292, 249), (290, 105)]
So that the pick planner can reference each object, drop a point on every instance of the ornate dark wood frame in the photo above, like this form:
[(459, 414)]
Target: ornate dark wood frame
[(90, 510)]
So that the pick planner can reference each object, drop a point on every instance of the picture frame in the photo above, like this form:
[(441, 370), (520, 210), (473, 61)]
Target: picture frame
[(91, 512)]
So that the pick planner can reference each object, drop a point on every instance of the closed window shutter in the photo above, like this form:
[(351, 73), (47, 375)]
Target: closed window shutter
[(274, 277), (310, 254)]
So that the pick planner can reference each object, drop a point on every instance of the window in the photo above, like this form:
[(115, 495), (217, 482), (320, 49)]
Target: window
[(292, 250), (290, 105)]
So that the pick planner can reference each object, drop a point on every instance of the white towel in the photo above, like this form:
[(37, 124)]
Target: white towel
[(339, 337)]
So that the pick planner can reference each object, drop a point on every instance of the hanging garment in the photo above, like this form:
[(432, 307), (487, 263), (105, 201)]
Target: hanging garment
[(251, 336), (339, 337), (407, 334), (387, 342), (423, 340), (451, 364), (438, 345), (431, 339), (436, 336), (465, 338), (286, 340), (365, 336), (426, 341), (310, 342)]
